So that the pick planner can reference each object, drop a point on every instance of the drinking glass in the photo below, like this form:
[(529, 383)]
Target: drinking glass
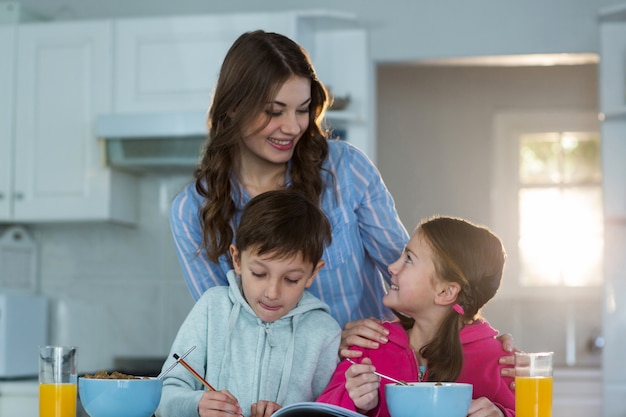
[(57, 381), (533, 384)]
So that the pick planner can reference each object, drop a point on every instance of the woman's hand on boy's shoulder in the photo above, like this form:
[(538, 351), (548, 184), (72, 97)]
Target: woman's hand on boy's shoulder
[(365, 333), (263, 408)]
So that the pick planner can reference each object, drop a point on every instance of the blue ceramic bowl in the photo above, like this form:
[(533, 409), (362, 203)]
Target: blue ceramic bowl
[(427, 399), (120, 397)]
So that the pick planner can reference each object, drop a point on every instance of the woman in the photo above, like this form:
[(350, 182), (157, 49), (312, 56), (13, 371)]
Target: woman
[(265, 133)]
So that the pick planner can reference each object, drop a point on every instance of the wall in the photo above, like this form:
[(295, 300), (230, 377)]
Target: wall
[(115, 291), (435, 147)]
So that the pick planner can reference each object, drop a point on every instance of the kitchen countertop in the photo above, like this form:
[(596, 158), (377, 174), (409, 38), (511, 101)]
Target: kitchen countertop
[(19, 387)]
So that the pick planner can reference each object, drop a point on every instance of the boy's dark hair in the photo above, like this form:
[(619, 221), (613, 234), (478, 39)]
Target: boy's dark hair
[(285, 223)]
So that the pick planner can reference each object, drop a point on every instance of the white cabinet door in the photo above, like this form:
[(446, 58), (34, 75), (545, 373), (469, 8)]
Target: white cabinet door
[(612, 86), (7, 104), (339, 48), (172, 64), (19, 406), (64, 79), (19, 398)]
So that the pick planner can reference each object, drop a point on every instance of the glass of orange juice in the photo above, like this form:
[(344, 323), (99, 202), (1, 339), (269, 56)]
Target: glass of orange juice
[(533, 384), (57, 381)]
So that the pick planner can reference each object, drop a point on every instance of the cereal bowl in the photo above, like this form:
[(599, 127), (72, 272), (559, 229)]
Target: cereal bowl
[(120, 397), (426, 399)]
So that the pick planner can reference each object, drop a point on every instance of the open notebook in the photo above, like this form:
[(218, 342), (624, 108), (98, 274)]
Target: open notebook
[(312, 409)]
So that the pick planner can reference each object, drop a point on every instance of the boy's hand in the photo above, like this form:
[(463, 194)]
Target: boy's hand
[(216, 403), (365, 333), (263, 408)]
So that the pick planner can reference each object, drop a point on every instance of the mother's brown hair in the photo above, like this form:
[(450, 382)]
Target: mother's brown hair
[(254, 69)]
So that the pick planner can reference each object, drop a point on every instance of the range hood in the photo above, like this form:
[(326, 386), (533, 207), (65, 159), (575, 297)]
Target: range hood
[(152, 142)]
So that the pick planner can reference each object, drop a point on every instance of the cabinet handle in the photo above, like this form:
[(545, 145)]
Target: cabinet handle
[(19, 196)]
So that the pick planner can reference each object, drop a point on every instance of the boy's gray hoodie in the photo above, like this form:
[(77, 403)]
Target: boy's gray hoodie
[(286, 361)]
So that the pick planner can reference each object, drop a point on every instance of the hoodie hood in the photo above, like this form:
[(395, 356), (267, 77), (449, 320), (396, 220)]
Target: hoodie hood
[(269, 336)]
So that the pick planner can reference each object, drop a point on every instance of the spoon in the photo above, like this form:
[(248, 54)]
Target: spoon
[(381, 375)]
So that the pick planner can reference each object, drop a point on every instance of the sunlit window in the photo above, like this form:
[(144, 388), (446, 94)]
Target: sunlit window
[(560, 237)]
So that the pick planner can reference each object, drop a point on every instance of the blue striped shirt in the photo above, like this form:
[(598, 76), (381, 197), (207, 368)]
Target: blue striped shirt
[(367, 236)]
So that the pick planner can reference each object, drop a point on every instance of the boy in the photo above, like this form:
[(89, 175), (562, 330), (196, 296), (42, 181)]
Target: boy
[(263, 341)]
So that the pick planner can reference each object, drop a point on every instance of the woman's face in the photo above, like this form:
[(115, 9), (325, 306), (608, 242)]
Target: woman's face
[(289, 118)]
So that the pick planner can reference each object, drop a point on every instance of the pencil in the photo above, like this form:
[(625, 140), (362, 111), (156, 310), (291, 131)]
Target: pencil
[(190, 369)]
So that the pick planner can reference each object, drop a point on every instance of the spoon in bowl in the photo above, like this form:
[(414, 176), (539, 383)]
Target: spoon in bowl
[(397, 381)]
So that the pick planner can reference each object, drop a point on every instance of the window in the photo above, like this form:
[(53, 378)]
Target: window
[(547, 204)]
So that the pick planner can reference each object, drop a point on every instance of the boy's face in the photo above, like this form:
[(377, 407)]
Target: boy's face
[(272, 287)]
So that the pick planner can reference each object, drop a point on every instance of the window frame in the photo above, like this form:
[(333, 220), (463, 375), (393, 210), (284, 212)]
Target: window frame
[(508, 126)]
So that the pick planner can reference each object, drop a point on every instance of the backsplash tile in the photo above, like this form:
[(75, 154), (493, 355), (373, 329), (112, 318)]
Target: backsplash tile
[(115, 290)]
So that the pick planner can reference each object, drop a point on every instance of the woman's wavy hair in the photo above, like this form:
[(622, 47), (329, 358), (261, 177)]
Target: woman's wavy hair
[(472, 256), (254, 69)]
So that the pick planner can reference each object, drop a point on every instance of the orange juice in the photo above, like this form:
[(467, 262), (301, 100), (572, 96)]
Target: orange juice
[(533, 396), (57, 400)]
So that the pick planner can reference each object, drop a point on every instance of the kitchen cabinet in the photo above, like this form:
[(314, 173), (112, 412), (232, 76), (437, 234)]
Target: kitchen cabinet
[(19, 398), (171, 64), (612, 91), (7, 104), (63, 78), (64, 74), (339, 49)]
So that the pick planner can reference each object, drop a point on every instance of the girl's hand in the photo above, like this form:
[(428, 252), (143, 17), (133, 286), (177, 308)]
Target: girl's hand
[(218, 404), (482, 407), (362, 385), (365, 333), (263, 408), (509, 346)]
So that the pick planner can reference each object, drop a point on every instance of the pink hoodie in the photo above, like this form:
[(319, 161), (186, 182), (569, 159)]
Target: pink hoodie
[(480, 368)]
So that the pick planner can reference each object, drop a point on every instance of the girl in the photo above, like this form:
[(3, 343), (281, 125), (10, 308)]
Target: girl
[(449, 269)]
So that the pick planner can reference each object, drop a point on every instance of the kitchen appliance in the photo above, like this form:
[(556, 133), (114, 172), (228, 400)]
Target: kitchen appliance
[(152, 141), (23, 328), (18, 261)]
